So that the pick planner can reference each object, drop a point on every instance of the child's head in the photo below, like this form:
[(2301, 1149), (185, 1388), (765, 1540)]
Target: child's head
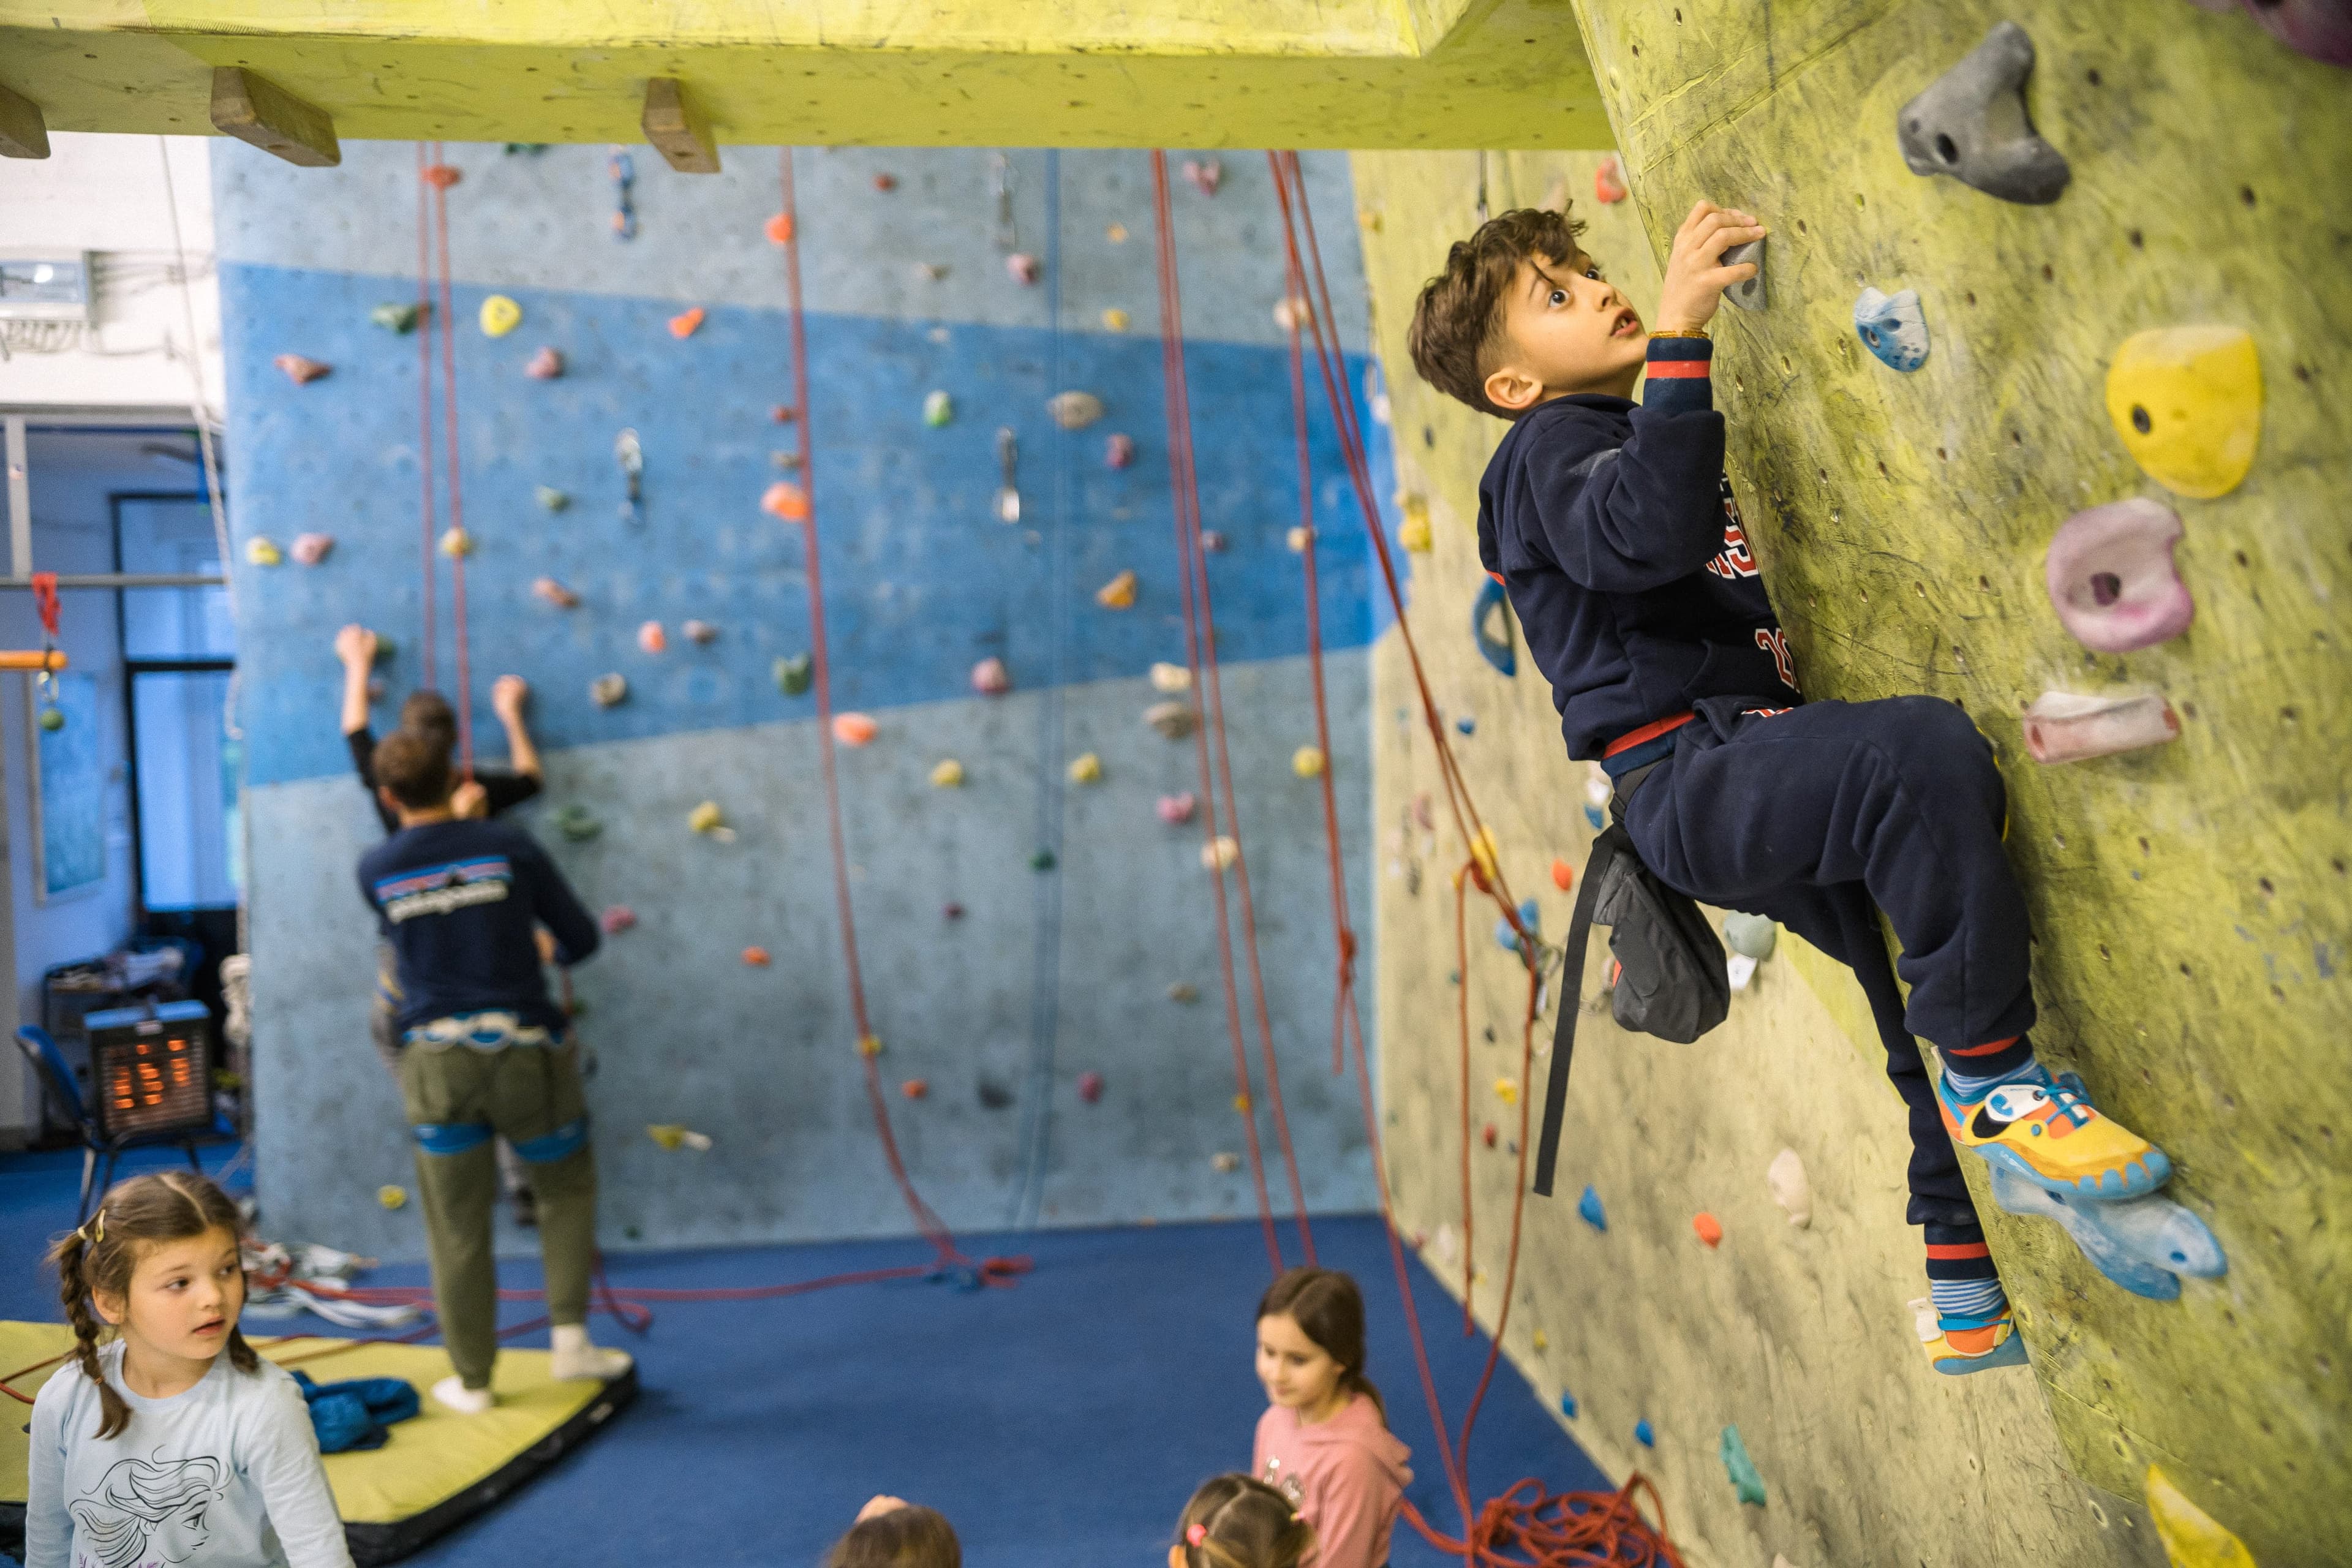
[(1521, 315), (427, 712), (412, 768), (1311, 1342), (158, 1263), (890, 1533), (1233, 1521)]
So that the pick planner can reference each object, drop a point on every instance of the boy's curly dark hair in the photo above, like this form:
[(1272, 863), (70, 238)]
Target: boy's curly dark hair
[(1458, 323)]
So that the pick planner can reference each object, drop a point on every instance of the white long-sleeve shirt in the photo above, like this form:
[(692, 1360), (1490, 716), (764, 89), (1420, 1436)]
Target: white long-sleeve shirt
[(225, 1474)]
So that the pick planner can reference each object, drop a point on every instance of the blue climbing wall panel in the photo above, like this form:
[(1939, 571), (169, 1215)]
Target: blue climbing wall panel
[(1046, 976)]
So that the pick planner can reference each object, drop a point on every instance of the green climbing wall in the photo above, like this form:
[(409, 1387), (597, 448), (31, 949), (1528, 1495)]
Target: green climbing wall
[(2191, 902)]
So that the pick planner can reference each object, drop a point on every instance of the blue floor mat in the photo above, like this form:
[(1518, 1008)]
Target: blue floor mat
[(1071, 1413)]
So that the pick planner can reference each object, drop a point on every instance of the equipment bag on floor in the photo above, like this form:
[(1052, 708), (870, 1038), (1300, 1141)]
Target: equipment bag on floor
[(1671, 980)]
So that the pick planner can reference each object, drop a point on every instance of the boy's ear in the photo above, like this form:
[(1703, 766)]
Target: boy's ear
[(1512, 389)]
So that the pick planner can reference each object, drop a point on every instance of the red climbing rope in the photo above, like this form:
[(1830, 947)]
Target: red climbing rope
[(993, 1270), (441, 177), (1552, 1531), (425, 389), (1200, 655)]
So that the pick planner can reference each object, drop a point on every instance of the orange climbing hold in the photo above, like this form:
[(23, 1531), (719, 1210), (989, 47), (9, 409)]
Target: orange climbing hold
[(1709, 1228), (1609, 180), (441, 177), (652, 638), (757, 957), (1118, 594), (780, 229), (787, 500), (301, 371), (684, 323), (853, 729), (915, 1088), (1563, 875)]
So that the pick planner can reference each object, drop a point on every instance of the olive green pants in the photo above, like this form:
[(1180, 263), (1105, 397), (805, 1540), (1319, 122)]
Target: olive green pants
[(457, 1098)]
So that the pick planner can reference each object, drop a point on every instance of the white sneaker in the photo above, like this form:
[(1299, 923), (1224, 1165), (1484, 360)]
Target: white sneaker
[(575, 1359), (452, 1392)]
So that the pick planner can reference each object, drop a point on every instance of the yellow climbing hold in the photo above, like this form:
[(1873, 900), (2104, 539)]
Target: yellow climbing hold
[(949, 775), (1483, 850), (1086, 769), (1114, 320), (263, 551), (2192, 1538), (1413, 533), (392, 1197), (2187, 402), (456, 542), (869, 1044), (705, 817), (1307, 761), (672, 1136), (1220, 853), (1242, 1103), (500, 316), (1507, 1091), (1543, 1340), (1118, 594)]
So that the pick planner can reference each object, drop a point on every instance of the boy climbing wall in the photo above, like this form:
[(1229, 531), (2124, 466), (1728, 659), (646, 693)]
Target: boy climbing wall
[(1614, 530)]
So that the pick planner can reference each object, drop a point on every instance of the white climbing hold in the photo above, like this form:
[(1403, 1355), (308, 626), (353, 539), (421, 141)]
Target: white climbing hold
[(1449, 1246), (1738, 969), (1224, 1163), (1023, 268), (1170, 679), (991, 679), (608, 690), (1220, 853), (1293, 314), (1299, 538), (1075, 410), (1786, 1178), (1922, 1320), (1598, 787), (457, 542), (1173, 719)]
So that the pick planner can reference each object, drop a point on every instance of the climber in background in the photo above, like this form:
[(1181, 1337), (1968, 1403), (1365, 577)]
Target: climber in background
[(489, 793), (1323, 1443), (1614, 530), (485, 1053)]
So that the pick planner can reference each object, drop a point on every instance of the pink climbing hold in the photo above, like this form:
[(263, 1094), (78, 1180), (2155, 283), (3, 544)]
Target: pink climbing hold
[(652, 638), (1023, 266), (2063, 726), (545, 365), (617, 919), (1090, 1087), (1490, 1135), (952, 911), (1206, 174), (853, 729), (555, 594), (309, 549), (991, 679), (1609, 180), (2111, 576), (299, 369), (1119, 451), (1176, 809)]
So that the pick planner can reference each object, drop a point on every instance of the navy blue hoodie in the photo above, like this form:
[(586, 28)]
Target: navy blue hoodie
[(457, 901), (1610, 526)]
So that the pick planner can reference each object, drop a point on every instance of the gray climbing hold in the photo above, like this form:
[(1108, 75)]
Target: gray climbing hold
[(1749, 295), (1970, 123), (1750, 936), (1893, 327)]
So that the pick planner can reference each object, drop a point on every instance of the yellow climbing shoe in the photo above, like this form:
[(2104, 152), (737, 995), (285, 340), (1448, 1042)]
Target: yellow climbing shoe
[(2051, 1135)]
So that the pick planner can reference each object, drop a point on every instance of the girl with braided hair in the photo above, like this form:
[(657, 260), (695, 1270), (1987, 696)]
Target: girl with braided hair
[(167, 1440), (1233, 1521)]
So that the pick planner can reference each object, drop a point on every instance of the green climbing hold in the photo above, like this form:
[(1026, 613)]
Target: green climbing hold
[(401, 319), (1041, 861), (384, 649), (794, 675), (1751, 936), (938, 409), (53, 719), (1740, 1468), (577, 823), (551, 499)]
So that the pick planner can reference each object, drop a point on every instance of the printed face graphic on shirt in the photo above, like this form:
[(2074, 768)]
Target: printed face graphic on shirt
[(437, 889), (148, 1511)]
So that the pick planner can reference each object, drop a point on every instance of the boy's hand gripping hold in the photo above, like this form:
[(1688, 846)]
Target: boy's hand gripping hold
[(1695, 276)]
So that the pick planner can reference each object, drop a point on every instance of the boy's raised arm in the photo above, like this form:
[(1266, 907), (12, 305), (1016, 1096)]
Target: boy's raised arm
[(555, 906)]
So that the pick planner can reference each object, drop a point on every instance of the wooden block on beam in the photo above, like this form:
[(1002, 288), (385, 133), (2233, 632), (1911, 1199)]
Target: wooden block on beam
[(22, 132), (252, 110), (677, 130)]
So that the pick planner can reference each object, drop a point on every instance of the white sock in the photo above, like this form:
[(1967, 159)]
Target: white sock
[(568, 1337), (452, 1392)]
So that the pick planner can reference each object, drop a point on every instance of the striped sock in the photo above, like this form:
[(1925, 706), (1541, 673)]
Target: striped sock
[(1995, 1061), (1961, 1280), (1968, 1089)]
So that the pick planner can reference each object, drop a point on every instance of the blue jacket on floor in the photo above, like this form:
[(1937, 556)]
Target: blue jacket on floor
[(1611, 526)]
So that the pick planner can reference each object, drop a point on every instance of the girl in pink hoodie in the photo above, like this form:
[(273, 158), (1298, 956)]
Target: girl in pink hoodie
[(1323, 1442)]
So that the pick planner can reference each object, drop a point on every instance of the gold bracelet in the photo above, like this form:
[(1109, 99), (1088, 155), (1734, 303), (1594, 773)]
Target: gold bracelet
[(1682, 332)]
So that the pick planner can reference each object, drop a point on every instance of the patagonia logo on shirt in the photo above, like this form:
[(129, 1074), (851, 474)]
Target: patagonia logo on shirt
[(437, 889)]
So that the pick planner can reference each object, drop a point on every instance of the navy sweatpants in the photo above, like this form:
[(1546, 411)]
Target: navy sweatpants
[(1823, 815)]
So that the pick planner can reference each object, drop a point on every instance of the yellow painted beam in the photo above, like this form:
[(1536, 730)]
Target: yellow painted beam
[(1077, 73)]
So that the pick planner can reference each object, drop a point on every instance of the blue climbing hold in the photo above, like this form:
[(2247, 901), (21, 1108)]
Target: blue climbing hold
[(1739, 1467), (1589, 1210), (1893, 327), (1568, 1404), (1592, 814), (1643, 1434), (1530, 917), (1466, 724), (1505, 937), (1495, 648)]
